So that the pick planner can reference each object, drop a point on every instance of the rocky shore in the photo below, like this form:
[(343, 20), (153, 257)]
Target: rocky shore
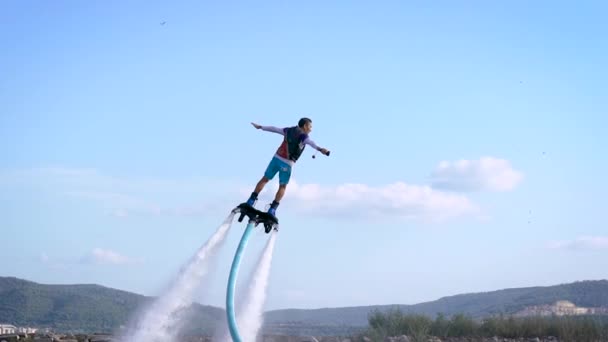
[(402, 338), (265, 338)]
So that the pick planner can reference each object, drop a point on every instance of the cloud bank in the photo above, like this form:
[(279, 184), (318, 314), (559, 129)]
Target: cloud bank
[(360, 201), (581, 243), (445, 198), (96, 256), (484, 174), (101, 256)]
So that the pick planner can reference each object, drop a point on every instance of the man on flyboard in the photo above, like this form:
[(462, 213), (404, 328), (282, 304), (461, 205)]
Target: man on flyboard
[(295, 139)]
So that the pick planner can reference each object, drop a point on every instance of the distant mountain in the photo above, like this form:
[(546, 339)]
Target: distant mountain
[(77, 308), (477, 305), (94, 308)]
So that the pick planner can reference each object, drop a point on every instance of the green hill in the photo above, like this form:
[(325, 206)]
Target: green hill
[(76, 308), (94, 308), (477, 305)]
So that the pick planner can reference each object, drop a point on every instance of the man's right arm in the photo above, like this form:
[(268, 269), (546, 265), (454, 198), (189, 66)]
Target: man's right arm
[(273, 129)]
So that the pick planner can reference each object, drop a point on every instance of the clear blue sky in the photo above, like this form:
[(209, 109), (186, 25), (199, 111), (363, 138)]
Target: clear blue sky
[(125, 143)]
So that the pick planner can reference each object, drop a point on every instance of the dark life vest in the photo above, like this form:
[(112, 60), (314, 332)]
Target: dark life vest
[(294, 136)]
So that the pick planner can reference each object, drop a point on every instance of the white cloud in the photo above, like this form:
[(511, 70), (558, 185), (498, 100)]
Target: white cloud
[(97, 256), (486, 173), (53, 263), (582, 243), (124, 197), (44, 258), (102, 256), (120, 213), (360, 201)]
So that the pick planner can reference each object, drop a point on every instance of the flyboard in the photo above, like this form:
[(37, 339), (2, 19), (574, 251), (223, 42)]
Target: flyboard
[(256, 217)]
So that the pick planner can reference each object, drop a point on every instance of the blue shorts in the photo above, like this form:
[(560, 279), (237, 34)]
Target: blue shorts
[(277, 165)]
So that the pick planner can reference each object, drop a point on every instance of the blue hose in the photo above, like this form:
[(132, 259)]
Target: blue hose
[(234, 332)]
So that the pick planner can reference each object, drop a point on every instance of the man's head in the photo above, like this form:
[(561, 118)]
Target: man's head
[(305, 124)]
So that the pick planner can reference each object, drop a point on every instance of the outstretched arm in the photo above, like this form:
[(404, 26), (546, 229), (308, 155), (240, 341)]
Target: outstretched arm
[(269, 128), (312, 144)]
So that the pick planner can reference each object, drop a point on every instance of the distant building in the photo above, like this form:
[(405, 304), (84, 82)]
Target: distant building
[(560, 308), (26, 330), (6, 329)]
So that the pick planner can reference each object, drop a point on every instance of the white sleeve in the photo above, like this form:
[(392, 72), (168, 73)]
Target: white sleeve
[(309, 141), (273, 129)]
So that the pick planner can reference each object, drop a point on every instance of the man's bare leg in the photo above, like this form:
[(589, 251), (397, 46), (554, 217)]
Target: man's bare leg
[(277, 198), (280, 193), (261, 184), (258, 188)]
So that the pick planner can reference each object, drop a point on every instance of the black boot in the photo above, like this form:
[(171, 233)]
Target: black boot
[(252, 199), (273, 208)]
